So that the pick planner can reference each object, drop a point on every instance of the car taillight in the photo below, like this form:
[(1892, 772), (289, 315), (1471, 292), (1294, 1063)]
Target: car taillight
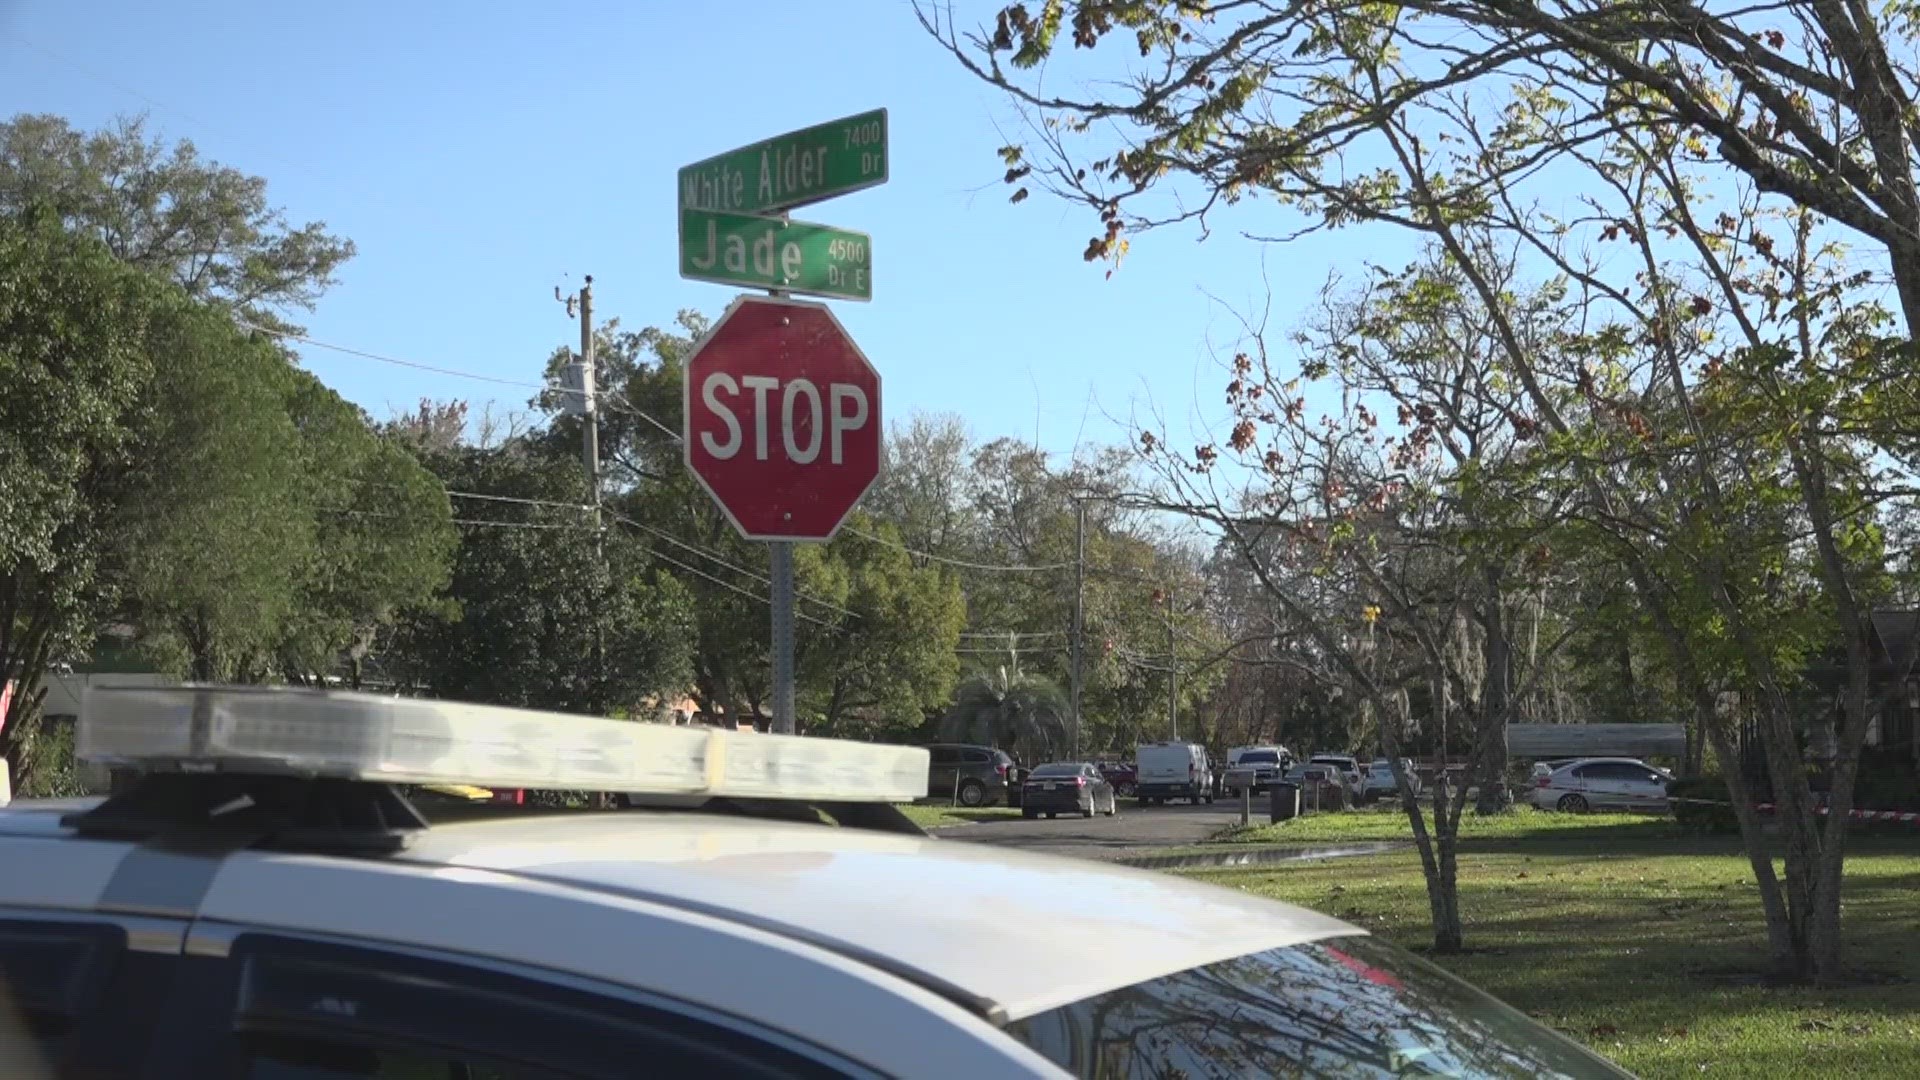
[(1543, 781), (1079, 781), (1001, 768)]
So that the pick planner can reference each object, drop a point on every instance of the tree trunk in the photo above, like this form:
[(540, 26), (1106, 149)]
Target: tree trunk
[(1443, 883), (1490, 736), (1773, 901)]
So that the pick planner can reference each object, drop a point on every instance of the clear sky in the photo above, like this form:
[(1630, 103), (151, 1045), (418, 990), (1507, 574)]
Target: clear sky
[(481, 153)]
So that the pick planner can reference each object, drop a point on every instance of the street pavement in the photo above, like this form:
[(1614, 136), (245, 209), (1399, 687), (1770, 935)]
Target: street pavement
[(1137, 829)]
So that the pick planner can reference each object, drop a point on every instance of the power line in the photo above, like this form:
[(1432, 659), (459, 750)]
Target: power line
[(458, 521), (706, 554), (1045, 649), (654, 531), (1001, 635), (619, 405), (962, 563), (363, 354), (748, 593)]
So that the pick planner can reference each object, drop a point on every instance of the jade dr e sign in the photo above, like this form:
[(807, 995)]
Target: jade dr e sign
[(767, 253), (800, 167)]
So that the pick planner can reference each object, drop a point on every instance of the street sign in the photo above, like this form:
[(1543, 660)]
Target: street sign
[(782, 418), (767, 253), (791, 170)]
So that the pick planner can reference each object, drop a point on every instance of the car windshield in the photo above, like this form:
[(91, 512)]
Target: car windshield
[(1346, 1007), (1057, 770), (1259, 757)]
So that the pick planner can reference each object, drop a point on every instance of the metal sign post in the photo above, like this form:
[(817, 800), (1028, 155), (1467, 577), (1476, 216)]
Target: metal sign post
[(780, 554)]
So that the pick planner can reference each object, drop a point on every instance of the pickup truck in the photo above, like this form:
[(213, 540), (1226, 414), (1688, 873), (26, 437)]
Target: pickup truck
[(1252, 768)]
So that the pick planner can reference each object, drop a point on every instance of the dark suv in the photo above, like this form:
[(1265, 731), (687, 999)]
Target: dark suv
[(970, 775)]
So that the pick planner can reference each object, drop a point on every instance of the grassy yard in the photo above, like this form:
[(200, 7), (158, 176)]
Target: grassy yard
[(1641, 943), (936, 816), (1390, 823)]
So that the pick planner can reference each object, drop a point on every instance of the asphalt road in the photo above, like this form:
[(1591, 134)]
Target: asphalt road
[(1137, 829)]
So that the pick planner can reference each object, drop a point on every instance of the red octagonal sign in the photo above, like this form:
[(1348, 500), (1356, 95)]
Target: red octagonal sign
[(782, 419)]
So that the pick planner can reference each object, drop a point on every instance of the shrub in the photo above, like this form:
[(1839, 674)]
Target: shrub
[(1702, 805)]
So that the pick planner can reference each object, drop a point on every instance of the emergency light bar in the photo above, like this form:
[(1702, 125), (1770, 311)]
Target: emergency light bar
[(413, 741)]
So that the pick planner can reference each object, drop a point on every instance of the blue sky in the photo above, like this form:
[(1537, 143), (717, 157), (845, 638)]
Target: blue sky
[(480, 154)]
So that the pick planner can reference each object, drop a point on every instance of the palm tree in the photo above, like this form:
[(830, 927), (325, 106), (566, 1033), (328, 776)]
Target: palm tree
[(1008, 709)]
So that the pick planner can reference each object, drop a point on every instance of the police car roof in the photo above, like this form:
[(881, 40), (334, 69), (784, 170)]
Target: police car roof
[(1016, 932)]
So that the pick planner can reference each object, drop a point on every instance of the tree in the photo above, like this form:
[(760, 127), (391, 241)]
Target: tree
[(540, 611), (383, 538), (1009, 709), (205, 226), (923, 487), (1715, 402), (885, 630), (214, 530), (74, 360)]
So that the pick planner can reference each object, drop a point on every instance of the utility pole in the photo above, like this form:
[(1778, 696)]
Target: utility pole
[(581, 303), (1079, 610), (588, 407), (1173, 673)]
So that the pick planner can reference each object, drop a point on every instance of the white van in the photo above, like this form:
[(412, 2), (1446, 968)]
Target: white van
[(1172, 770)]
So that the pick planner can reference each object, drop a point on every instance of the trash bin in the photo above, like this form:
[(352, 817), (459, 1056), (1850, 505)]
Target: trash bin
[(1283, 802)]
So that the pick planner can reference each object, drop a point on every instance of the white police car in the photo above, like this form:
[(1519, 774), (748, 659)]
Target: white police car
[(264, 898)]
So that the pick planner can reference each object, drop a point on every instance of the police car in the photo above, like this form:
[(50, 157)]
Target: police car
[(272, 892)]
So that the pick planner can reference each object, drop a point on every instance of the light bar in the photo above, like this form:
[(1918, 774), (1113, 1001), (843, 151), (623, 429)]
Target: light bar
[(414, 741)]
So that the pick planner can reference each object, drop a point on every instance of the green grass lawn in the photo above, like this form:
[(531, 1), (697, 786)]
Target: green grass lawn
[(1641, 943), (936, 816), (1390, 823)]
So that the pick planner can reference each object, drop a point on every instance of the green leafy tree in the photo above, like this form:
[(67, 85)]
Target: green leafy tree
[(207, 227), (884, 645), (383, 538), (541, 611), (217, 531), (74, 356)]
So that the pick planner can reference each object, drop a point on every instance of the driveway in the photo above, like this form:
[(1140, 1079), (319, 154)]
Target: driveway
[(1135, 830)]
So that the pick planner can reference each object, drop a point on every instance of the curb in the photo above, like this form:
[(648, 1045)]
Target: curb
[(1260, 856)]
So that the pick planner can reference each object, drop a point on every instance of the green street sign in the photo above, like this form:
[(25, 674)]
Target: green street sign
[(791, 170), (767, 253)]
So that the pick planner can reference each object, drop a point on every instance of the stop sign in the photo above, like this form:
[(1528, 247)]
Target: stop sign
[(782, 418)]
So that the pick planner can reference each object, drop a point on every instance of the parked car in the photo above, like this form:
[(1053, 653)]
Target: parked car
[(1253, 768), (970, 775), (1352, 773), (1121, 774), (1600, 784), (1173, 770), (1378, 782), (1070, 787), (1304, 774)]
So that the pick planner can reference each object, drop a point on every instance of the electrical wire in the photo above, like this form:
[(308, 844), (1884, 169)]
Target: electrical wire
[(459, 521), (748, 593), (363, 354), (662, 534), (618, 405), (961, 563), (656, 532)]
